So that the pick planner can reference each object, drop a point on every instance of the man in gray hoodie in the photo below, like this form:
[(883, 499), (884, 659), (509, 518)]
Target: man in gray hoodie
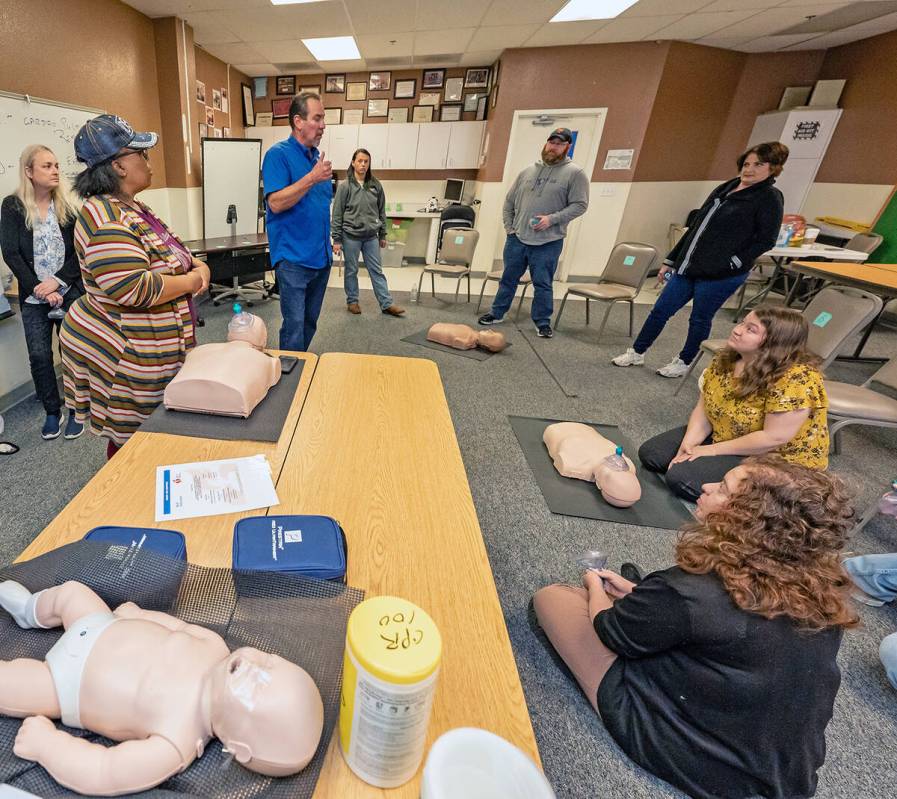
[(544, 199)]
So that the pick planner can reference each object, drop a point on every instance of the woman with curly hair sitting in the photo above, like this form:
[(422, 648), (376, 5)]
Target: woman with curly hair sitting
[(762, 393), (719, 674)]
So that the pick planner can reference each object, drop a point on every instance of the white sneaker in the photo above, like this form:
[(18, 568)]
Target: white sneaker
[(629, 358), (675, 368)]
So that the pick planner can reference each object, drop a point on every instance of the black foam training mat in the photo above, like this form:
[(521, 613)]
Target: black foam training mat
[(568, 496), (477, 353), (301, 619), (265, 423)]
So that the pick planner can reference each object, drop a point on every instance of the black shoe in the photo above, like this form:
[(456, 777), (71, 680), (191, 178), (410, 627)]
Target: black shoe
[(489, 319), (545, 331), (631, 572)]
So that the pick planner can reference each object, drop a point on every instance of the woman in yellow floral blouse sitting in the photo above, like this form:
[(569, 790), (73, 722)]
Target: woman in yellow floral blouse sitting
[(762, 393)]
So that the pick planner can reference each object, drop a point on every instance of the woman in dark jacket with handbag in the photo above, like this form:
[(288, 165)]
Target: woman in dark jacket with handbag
[(738, 222), (37, 226), (358, 228)]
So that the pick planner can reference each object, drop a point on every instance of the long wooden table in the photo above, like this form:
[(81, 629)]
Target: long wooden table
[(123, 491), (375, 448)]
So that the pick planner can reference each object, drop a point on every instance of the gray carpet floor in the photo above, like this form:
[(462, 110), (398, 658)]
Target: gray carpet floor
[(568, 377)]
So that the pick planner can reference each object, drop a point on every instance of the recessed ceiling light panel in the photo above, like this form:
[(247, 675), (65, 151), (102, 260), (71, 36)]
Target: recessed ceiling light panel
[(578, 10), (333, 48)]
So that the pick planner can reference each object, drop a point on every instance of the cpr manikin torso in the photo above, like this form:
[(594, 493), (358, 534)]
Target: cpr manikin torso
[(580, 451), (463, 337), (162, 685), (223, 379)]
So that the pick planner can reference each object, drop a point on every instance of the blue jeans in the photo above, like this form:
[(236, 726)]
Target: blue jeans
[(542, 261), (370, 248), (301, 297), (876, 575), (39, 341), (708, 297)]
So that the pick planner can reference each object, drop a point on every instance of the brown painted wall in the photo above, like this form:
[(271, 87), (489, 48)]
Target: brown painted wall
[(763, 79), (334, 100), (689, 113), (101, 54), (620, 77), (862, 148), (170, 74)]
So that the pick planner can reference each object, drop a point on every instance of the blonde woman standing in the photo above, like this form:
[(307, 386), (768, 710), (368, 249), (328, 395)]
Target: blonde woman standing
[(37, 226)]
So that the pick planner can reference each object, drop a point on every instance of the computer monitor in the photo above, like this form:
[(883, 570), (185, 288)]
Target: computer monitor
[(454, 190)]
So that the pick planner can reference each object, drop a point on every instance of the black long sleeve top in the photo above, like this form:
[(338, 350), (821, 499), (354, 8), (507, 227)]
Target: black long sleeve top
[(713, 699), (17, 245)]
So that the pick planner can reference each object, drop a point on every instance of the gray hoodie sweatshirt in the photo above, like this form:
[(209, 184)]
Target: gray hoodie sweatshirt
[(560, 190)]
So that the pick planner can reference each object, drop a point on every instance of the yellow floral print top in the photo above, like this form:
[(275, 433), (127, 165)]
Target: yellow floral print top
[(800, 387)]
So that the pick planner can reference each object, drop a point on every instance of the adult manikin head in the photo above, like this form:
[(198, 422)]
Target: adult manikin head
[(266, 711)]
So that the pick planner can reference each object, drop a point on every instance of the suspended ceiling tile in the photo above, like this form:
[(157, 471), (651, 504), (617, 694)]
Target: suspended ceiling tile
[(480, 58), (630, 29), (774, 20), (656, 8), (561, 33), (385, 45), (440, 15), (501, 37), (381, 16), (434, 42), (279, 52), (502, 12), (257, 70), (694, 26), (236, 53)]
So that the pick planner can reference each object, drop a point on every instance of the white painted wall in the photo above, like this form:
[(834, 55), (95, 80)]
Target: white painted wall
[(652, 206)]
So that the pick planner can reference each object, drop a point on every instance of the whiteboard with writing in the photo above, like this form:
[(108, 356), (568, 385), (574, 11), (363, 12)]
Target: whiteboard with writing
[(24, 122)]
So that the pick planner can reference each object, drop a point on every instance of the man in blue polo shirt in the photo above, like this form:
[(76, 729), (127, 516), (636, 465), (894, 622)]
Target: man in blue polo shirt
[(298, 193)]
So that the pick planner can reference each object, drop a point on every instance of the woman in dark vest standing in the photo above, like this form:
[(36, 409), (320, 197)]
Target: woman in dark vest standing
[(358, 228), (738, 222)]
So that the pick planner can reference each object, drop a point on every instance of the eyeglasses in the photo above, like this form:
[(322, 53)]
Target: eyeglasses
[(142, 153)]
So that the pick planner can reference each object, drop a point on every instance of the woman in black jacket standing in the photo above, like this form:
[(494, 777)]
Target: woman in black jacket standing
[(738, 222), (37, 225)]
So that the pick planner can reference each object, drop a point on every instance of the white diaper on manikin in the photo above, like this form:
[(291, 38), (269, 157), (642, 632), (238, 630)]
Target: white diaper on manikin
[(67, 659)]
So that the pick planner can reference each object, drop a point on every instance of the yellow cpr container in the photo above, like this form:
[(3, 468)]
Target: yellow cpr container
[(393, 650)]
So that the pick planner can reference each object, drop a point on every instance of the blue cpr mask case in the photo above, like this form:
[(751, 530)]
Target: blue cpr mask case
[(154, 559), (311, 546)]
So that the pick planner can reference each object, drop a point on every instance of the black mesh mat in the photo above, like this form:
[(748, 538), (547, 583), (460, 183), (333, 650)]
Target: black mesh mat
[(301, 619)]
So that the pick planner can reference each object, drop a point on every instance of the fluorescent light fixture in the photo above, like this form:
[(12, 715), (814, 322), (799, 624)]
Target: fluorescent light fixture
[(577, 10), (333, 48), (291, 2)]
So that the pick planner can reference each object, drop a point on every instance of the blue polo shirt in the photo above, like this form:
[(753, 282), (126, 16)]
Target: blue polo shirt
[(300, 234)]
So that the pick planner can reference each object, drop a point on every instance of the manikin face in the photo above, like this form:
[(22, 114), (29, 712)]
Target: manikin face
[(44, 171), (266, 711), (310, 129), (753, 170), (554, 151), (748, 335), (716, 496), (361, 164)]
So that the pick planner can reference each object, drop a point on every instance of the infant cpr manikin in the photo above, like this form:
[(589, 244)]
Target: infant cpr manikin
[(581, 451), (161, 687), (223, 379), (463, 337)]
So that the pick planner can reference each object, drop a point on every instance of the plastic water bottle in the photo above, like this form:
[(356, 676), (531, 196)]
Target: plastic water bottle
[(888, 503), (617, 462), (414, 291), (592, 559), (241, 320)]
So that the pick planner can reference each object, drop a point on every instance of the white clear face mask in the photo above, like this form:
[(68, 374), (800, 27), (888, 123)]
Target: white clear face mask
[(245, 681)]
